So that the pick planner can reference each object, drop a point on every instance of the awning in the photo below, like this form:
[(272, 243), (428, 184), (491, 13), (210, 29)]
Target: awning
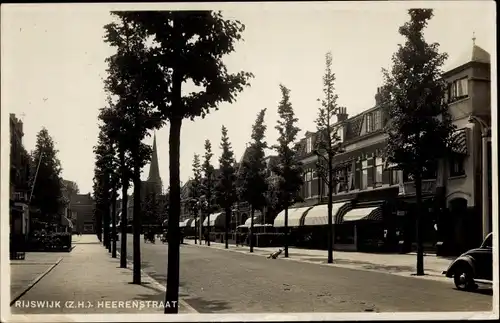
[(165, 222), (368, 213), (256, 220), (193, 223), (184, 223), (294, 217), (318, 215), (459, 142), (214, 219)]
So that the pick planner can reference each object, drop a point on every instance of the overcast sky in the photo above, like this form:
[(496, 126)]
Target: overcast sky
[(53, 65)]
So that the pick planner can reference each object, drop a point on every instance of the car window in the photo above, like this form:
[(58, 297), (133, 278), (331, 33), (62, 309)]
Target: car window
[(488, 242)]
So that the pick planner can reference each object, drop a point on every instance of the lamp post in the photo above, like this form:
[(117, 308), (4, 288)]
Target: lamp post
[(485, 137)]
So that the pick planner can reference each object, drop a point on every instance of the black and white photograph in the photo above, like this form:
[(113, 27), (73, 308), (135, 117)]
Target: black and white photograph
[(249, 161)]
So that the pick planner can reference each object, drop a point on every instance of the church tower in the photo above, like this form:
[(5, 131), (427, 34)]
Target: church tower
[(154, 178)]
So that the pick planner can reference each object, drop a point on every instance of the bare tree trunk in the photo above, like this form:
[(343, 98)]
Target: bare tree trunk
[(330, 234), (172, 294), (250, 236), (137, 223), (226, 231), (113, 225), (286, 230), (420, 249), (124, 225)]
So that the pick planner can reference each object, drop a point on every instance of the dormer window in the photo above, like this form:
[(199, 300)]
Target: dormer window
[(368, 123), (309, 145), (377, 120)]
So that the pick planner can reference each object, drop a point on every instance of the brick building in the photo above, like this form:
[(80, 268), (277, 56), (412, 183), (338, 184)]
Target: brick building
[(82, 207), (374, 202)]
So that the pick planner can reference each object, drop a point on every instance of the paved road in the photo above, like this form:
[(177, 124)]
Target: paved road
[(226, 282)]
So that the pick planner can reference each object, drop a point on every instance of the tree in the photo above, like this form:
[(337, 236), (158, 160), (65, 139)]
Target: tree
[(45, 179), (328, 144), (69, 189), (119, 129), (288, 169), (226, 185), (103, 170), (208, 184), (413, 93), (195, 194), (191, 45), (129, 83), (253, 171)]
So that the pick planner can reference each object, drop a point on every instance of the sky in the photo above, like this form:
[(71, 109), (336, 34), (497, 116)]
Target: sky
[(52, 64)]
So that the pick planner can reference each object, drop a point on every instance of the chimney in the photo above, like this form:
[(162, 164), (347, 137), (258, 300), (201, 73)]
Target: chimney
[(378, 97), (342, 114)]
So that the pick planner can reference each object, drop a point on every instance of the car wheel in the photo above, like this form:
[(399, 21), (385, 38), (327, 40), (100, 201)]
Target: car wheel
[(463, 278)]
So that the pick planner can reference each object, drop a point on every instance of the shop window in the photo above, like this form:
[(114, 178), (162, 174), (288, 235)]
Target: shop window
[(379, 169), (364, 173), (457, 165)]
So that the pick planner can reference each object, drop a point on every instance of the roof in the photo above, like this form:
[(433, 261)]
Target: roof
[(474, 54)]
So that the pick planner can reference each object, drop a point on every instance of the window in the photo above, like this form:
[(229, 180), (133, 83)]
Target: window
[(379, 169), (340, 134), (394, 177), (308, 182), (457, 167), (364, 173), (368, 123), (377, 120), (309, 145), (459, 89), (350, 178)]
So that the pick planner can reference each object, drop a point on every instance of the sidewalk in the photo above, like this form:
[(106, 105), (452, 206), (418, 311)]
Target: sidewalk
[(397, 264), (89, 281)]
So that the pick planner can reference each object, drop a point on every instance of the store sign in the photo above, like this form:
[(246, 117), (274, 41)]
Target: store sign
[(400, 213)]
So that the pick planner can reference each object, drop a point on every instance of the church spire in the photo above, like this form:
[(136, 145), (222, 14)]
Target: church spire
[(154, 169)]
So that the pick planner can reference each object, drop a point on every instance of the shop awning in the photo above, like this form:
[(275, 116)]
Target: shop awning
[(215, 219), (294, 217), (184, 223), (367, 213), (318, 215), (193, 223), (459, 142), (256, 220), (165, 222)]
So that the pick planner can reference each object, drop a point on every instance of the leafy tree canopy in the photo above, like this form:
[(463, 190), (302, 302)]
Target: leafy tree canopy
[(288, 169), (413, 94), (226, 185)]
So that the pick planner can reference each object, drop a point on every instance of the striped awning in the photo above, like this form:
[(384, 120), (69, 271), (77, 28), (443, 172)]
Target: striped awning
[(184, 223), (193, 223), (215, 219), (364, 214), (257, 219), (459, 142), (294, 217), (318, 215)]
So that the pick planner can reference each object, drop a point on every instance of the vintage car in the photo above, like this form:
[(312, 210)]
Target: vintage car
[(475, 265)]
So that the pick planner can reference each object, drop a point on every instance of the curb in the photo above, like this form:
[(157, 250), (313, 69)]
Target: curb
[(189, 308), (34, 282), (403, 274)]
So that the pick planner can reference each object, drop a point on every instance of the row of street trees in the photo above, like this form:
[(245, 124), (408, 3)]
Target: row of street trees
[(413, 99), (156, 53), (251, 183)]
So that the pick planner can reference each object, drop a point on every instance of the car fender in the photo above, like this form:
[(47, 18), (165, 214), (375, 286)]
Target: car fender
[(458, 262)]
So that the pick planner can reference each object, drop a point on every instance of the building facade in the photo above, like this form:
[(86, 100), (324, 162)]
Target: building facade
[(18, 179), (452, 191), (82, 213)]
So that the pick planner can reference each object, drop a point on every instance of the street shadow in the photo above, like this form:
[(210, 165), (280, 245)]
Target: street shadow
[(365, 265), (484, 291), (208, 306)]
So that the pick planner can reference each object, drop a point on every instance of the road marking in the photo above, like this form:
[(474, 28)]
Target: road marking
[(183, 303), (34, 282)]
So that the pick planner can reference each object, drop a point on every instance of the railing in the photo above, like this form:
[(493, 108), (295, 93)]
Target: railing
[(428, 187)]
